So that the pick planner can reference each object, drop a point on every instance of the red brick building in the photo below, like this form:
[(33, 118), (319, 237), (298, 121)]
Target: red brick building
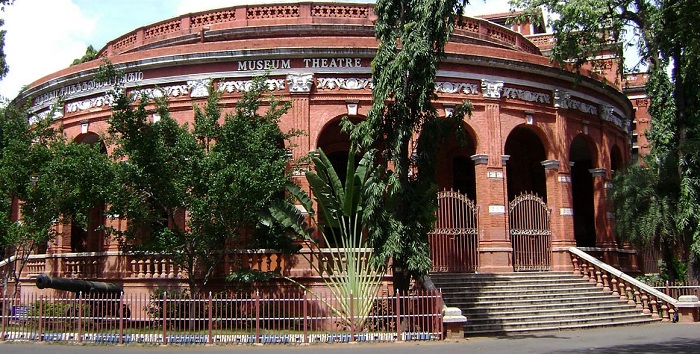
[(532, 178)]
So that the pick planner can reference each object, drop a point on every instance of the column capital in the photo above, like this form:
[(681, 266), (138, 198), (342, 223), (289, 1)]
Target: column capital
[(504, 159), (550, 165), (598, 172), (480, 159), (300, 83)]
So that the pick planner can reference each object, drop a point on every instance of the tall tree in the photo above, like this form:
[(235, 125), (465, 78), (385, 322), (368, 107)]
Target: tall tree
[(190, 193), (412, 37), (44, 180), (668, 40)]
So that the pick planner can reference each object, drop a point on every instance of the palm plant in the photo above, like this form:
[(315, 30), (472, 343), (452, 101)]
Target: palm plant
[(349, 268)]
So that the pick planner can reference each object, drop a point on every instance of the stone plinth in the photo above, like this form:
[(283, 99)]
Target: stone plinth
[(688, 306), (453, 323)]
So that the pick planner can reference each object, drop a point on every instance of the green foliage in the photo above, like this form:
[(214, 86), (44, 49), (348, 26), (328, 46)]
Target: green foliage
[(190, 192), (350, 269), (55, 179), (90, 54), (248, 276), (402, 203)]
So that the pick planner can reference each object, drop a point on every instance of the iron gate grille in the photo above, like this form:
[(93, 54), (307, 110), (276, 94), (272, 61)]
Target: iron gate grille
[(530, 233), (455, 238)]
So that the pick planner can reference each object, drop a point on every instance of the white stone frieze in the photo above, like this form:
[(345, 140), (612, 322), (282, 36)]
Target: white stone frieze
[(456, 87), (300, 82), (231, 86), (525, 95), (165, 91), (335, 83), (491, 89), (200, 88), (82, 105)]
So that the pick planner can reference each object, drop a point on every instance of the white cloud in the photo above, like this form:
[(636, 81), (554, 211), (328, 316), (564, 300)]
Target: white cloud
[(43, 36)]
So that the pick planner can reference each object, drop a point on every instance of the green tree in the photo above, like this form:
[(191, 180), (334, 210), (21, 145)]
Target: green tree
[(412, 36), (669, 43), (190, 193), (44, 180), (4, 68), (90, 54)]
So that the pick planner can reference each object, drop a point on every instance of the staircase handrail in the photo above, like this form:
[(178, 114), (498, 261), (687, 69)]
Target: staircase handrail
[(621, 275)]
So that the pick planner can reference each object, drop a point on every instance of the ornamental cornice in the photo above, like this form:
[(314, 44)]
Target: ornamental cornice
[(300, 83), (83, 105), (456, 87), (562, 99), (231, 86), (165, 91), (525, 95), (491, 89), (200, 88), (335, 83)]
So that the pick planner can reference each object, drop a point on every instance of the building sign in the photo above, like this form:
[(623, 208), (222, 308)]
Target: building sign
[(306, 63), (85, 87)]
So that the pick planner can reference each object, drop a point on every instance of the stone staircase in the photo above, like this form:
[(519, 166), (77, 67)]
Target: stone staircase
[(499, 304)]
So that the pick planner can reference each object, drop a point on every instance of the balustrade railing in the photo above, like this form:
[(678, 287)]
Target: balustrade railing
[(647, 299)]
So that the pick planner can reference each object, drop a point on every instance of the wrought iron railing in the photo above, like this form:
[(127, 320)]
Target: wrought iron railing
[(270, 318)]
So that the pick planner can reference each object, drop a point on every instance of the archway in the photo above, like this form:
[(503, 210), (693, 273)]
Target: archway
[(581, 161), (616, 160), (455, 168), (524, 169), (90, 237), (336, 145)]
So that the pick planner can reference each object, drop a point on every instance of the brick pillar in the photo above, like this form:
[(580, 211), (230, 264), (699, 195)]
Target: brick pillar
[(561, 220)]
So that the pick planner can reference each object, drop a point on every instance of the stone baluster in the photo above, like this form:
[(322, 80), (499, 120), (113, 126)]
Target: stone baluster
[(613, 286), (142, 268), (671, 313), (637, 299), (149, 268), (606, 284), (268, 262), (163, 270), (654, 307), (630, 295), (598, 278), (645, 304), (577, 270), (664, 312), (171, 269), (584, 270), (591, 271)]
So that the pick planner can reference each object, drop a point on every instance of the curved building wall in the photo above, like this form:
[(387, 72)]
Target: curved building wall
[(527, 116)]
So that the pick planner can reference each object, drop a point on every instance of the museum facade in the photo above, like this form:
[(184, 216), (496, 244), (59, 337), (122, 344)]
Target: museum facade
[(530, 182)]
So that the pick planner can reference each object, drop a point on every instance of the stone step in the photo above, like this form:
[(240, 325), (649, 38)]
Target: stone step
[(522, 302)]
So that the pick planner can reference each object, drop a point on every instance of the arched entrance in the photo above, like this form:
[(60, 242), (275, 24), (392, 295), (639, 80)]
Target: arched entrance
[(89, 237), (581, 161), (336, 145), (454, 240), (528, 214)]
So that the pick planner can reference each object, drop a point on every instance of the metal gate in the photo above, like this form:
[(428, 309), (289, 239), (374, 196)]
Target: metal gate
[(530, 233), (455, 237)]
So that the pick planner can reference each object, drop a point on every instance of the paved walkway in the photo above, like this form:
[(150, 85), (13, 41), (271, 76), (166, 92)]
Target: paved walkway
[(655, 338)]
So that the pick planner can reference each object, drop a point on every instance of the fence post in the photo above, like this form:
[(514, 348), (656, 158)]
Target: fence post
[(352, 317), (80, 317), (438, 312), (4, 310), (306, 316), (165, 318), (398, 317), (41, 313), (121, 318), (257, 316), (211, 322)]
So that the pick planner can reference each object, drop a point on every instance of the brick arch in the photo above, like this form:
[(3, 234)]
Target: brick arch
[(545, 139), (524, 170), (617, 160), (92, 239), (455, 168)]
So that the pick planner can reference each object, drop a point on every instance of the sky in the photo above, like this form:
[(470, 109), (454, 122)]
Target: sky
[(44, 36)]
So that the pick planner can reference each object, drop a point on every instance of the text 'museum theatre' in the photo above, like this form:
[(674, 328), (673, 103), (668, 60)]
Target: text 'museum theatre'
[(530, 182)]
